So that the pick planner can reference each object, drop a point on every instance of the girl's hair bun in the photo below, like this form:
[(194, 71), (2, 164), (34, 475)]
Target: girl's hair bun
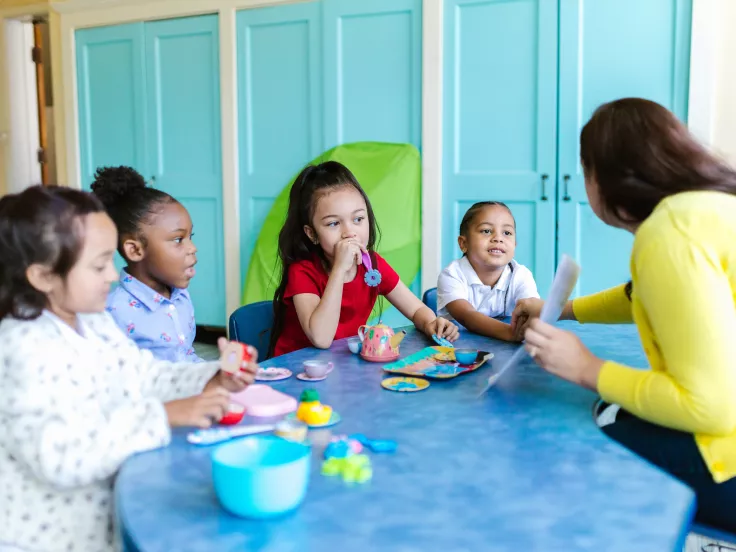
[(115, 184)]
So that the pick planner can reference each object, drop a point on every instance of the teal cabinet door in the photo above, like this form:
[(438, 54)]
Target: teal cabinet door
[(373, 71), (500, 121), (111, 98), (279, 107), (612, 49), (184, 155)]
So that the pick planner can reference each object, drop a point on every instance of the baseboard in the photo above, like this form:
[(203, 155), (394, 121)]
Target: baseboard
[(210, 334)]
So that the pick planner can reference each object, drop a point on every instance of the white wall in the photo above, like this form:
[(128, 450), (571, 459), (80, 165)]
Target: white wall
[(21, 132), (724, 101)]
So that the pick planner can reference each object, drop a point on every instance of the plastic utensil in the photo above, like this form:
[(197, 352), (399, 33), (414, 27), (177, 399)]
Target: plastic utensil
[(441, 341), (372, 276), (206, 437), (374, 445)]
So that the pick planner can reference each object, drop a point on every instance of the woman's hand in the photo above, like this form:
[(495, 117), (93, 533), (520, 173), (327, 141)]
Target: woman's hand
[(348, 253), (562, 353), (443, 328), (199, 411), (524, 312), (240, 379)]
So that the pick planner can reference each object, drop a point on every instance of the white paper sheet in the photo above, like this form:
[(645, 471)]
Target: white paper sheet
[(564, 282)]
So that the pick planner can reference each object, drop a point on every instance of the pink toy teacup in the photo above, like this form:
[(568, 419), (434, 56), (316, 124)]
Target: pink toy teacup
[(317, 368), (380, 344)]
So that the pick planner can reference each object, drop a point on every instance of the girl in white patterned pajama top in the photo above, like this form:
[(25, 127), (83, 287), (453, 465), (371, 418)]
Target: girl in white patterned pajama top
[(78, 397)]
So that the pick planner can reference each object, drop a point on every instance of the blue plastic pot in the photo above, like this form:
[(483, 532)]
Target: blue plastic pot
[(261, 476)]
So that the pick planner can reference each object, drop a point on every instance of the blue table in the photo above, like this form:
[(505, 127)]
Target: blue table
[(524, 468)]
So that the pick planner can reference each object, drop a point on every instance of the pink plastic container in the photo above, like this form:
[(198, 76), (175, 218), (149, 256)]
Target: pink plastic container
[(262, 401)]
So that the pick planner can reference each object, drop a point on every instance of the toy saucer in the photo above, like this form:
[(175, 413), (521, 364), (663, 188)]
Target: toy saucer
[(442, 341), (304, 377), (405, 385), (273, 374), (334, 420)]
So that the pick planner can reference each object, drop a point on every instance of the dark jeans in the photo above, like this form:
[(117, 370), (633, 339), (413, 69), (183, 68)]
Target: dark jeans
[(676, 453)]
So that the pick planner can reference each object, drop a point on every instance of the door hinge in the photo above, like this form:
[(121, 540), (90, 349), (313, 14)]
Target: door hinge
[(42, 156), (36, 55)]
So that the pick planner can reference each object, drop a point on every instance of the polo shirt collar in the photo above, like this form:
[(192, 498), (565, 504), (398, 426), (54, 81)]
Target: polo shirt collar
[(472, 277)]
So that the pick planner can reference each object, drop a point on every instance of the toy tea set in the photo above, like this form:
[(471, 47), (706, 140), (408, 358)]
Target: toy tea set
[(379, 343), (267, 475)]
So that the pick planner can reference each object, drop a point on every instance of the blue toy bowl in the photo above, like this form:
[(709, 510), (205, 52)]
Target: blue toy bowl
[(261, 476), (466, 357)]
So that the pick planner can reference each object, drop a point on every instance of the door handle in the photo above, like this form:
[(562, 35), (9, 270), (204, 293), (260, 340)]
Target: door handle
[(566, 188), (544, 187)]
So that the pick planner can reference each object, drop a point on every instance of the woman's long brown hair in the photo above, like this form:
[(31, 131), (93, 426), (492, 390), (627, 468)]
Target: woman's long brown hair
[(640, 153)]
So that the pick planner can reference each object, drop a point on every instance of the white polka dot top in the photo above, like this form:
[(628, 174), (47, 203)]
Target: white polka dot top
[(74, 406)]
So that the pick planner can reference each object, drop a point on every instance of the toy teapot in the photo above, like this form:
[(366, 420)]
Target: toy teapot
[(380, 344)]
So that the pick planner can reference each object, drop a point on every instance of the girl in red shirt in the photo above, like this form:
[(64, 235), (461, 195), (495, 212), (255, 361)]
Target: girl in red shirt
[(322, 295)]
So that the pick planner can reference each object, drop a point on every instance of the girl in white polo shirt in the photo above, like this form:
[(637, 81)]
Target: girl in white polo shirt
[(483, 286)]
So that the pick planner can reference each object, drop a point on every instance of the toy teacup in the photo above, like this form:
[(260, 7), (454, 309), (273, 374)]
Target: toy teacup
[(317, 368)]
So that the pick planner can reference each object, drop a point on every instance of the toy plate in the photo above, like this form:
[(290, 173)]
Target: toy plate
[(405, 385), (273, 374), (334, 419), (436, 363)]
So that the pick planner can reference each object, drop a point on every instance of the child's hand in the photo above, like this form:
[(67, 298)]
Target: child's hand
[(443, 328), (524, 311), (514, 335), (348, 253), (240, 379), (199, 411)]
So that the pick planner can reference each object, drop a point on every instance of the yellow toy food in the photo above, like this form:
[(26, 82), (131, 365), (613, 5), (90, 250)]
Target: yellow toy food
[(311, 411)]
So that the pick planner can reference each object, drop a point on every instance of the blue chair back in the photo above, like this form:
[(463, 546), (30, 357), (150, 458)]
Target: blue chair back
[(713, 533), (430, 299), (251, 324)]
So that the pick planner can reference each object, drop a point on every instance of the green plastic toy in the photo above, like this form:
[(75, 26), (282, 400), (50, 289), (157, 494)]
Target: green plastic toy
[(309, 395), (390, 174), (353, 469)]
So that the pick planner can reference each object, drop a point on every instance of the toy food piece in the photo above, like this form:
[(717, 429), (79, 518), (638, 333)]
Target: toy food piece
[(291, 430), (233, 415), (311, 411), (353, 469), (342, 447), (233, 356), (343, 457)]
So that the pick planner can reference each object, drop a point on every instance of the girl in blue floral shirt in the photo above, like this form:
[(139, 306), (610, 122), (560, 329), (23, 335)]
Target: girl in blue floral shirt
[(151, 304)]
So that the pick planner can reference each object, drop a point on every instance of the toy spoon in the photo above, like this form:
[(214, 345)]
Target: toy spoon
[(372, 276)]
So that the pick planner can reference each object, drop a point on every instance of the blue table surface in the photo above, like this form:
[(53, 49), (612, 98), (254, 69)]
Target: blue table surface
[(522, 468)]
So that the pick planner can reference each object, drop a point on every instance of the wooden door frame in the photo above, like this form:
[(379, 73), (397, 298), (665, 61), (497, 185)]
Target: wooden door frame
[(18, 12)]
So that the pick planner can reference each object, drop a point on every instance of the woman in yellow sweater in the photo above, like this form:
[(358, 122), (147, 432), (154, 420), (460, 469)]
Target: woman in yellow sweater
[(646, 174)]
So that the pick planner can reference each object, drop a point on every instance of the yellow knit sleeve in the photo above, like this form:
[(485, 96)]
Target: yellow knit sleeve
[(611, 306), (687, 298)]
